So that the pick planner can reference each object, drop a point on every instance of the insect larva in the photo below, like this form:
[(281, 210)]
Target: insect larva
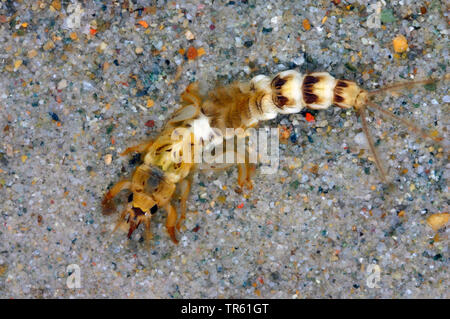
[(240, 105)]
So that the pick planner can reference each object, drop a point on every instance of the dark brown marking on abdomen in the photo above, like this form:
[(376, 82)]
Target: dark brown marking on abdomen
[(338, 89), (278, 82), (307, 87)]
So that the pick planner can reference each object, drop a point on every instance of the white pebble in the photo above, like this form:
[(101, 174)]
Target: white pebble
[(62, 84), (108, 159), (102, 46), (189, 35), (275, 20), (299, 60)]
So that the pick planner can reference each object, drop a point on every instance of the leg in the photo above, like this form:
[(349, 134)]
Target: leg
[(362, 115), (191, 94), (140, 148), (147, 234), (107, 203), (185, 189), (163, 193), (245, 172), (120, 220), (162, 196), (171, 221), (242, 174), (250, 169), (132, 228), (177, 74)]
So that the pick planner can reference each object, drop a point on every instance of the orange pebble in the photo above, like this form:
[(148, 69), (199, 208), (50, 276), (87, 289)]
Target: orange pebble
[(192, 53), (309, 117), (400, 44), (143, 23), (437, 221), (285, 132), (306, 24), (201, 52)]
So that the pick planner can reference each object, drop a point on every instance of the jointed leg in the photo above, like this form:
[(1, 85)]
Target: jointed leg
[(245, 172), (140, 148), (132, 227), (107, 203), (171, 221), (241, 174), (250, 169), (162, 196), (185, 186), (163, 193), (121, 219), (191, 95)]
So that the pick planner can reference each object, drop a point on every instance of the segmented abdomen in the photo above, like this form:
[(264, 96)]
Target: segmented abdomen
[(244, 105)]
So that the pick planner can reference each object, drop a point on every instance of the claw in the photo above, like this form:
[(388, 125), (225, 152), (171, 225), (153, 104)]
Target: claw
[(107, 204), (245, 172), (171, 231), (131, 229), (171, 221)]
